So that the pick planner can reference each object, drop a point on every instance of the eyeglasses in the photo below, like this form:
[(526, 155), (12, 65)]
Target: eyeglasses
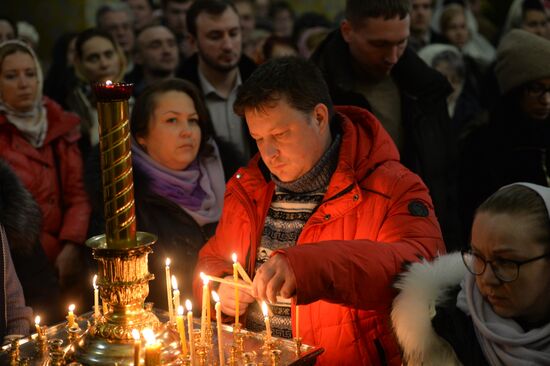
[(537, 90), (506, 270)]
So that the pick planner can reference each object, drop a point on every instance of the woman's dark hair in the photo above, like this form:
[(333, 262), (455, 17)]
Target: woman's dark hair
[(146, 103), (60, 78), (11, 23), (520, 200)]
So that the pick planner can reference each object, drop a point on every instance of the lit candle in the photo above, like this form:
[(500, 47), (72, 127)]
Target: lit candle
[(204, 312), (181, 330), (297, 320), (70, 316), (96, 297), (267, 323), (219, 326), (175, 293), (243, 273), (152, 348), (168, 288), (236, 279), (37, 324), (137, 346), (189, 307)]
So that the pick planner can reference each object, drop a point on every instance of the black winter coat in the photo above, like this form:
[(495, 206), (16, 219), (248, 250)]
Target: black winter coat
[(430, 149)]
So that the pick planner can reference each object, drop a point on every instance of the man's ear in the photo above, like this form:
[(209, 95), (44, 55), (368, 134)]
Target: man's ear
[(321, 116), (346, 30)]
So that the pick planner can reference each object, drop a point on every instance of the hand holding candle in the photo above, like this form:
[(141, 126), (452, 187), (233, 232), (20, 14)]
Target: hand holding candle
[(168, 289), (96, 297), (219, 326), (181, 330), (189, 307), (70, 316)]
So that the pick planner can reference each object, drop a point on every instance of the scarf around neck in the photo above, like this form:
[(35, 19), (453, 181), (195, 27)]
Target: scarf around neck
[(503, 341), (33, 124), (198, 189)]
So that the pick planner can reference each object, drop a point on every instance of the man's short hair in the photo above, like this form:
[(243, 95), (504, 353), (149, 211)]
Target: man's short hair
[(164, 3), (149, 26), (299, 82), (212, 7), (359, 10), (115, 7)]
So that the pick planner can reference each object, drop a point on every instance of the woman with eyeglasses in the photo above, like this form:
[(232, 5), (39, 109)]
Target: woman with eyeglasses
[(490, 304), (514, 143)]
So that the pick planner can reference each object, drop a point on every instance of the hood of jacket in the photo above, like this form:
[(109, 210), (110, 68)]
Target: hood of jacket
[(19, 212)]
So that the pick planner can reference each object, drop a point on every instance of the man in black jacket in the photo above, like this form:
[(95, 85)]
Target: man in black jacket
[(219, 67), (367, 63)]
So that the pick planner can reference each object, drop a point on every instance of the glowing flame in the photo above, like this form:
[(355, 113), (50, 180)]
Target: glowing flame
[(188, 305), (95, 282), (71, 307), (37, 320), (174, 282), (215, 296), (264, 309), (180, 310), (168, 262), (205, 278), (234, 257), (148, 335), (108, 82), (135, 334)]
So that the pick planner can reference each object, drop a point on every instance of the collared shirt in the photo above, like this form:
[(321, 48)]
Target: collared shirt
[(227, 125)]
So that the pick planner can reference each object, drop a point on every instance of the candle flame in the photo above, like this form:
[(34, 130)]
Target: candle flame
[(95, 282), (205, 278), (188, 305), (264, 309), (108, 82), (135, 334), (174, 283), (148, 335), (215, 296), (168, 262), (234, 257), (37, 320), (180, 310), (71, 307)]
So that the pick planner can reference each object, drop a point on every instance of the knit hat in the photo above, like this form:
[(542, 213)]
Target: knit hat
[(521, 57)]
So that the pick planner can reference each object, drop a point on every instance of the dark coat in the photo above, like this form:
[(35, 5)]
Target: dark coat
[(430, 149), (21, 217), (507, 148), (190, 71)]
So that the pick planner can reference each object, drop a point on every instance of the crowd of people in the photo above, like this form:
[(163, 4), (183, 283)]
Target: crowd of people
[(340, 159)]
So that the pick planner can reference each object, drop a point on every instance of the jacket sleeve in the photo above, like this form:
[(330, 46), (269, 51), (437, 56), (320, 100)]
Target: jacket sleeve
[(76, 215), (360, 273)]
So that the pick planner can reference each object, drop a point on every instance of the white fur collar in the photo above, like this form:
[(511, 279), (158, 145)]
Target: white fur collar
[(423, 287)]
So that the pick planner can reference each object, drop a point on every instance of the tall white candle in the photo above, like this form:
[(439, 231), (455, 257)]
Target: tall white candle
[(168, 289), (96, 297), (219, 326), (190, 329), (176, 294), (267, 322), (204, 311)]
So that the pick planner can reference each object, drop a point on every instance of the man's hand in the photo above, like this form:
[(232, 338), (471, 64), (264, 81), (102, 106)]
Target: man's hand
[(227, 298), (274, 277), (68, 264)]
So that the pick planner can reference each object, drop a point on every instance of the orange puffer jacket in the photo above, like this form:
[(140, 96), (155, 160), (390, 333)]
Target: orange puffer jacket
[(375, 216), (53, 175)]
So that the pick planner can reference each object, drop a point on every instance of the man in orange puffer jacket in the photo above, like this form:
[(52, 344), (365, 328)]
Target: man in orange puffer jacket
[(324, 214)]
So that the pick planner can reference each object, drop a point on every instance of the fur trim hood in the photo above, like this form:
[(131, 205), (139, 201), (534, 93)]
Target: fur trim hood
[(422, 288), (19, 212)]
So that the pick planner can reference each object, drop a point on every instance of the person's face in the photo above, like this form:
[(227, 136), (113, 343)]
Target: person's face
[(143, 14), (118, 24), (218, 40), (421, 15), (19, 81), (289, 141), (100, 61), (246, 15), (174, 14), (174, 134), (283, 23), (282, 50), (456, 31), (376, 44), (157, 50), (6, 31), (511, 237), (535, 99), (535, 22)]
